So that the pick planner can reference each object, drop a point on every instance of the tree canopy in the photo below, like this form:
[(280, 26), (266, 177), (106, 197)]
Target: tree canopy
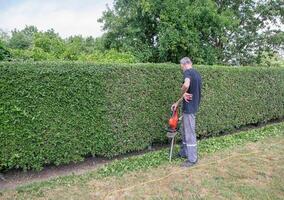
[(32, 44), (231, 32), (210, 31)]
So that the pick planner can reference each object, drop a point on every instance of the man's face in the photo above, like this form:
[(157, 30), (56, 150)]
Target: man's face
[(185, 66)]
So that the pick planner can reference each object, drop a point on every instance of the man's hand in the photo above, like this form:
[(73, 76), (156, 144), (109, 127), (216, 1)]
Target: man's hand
[(174, 107), (187, 97)]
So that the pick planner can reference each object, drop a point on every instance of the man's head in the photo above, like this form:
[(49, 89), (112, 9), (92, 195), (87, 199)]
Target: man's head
[(185, 63)]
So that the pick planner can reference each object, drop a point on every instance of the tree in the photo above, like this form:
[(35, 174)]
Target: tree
[(22, 39), (34, 45), (4, 53), (132, 26), (193, 28), (166, 30), (4, 37), (257, 31), (210, 31), (49, 42)]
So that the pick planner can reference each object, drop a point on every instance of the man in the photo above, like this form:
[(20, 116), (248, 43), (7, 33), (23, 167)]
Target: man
[(191, 95)]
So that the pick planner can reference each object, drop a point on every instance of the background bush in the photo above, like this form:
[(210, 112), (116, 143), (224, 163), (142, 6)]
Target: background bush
[(59, 112), (111, 56)]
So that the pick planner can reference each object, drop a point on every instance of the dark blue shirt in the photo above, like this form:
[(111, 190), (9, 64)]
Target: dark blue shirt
[(192, 106)]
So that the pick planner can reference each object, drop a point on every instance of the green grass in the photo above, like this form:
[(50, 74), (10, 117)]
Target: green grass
[(253, 170), (155, 159)]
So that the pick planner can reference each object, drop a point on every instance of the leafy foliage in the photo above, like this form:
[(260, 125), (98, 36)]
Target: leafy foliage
[(4, 53), (58, 112), (210, 31), (271, 60), (30, 44), (111, 56), (22, 39)]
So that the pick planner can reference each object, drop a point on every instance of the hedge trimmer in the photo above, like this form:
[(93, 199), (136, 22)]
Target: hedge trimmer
[(173, 129), (173, 121)]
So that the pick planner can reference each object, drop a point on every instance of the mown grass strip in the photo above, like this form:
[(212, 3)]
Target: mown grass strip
[(157, 158)]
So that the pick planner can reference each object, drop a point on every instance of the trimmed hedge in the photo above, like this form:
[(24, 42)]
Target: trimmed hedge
[(59, 112)]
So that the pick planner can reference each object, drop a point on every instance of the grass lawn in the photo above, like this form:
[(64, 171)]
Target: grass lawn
[(253, 170)]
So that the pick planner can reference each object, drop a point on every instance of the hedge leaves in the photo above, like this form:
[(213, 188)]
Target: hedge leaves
[(58, 112)]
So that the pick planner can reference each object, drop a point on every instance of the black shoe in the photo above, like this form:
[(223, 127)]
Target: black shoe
[(188, 164), (181, 156)]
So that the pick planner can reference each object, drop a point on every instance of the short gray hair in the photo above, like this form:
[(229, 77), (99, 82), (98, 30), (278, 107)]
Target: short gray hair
[(185, 60)]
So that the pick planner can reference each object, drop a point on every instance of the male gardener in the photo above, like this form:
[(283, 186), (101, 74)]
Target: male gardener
[(191, 95)]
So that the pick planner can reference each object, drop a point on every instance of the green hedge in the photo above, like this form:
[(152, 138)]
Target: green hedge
[(59, 112)]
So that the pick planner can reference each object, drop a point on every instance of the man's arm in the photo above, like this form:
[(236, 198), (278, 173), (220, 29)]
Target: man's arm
[(184, 88), (184, 94)]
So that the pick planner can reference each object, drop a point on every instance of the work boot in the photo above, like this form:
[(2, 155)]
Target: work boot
[(188, 164)]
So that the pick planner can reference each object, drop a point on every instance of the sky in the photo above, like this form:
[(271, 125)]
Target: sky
[(67, 17)]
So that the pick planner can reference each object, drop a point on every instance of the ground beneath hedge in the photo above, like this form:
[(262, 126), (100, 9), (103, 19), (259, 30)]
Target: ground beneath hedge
[(14, 178), (17, 177), (252, 171)]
